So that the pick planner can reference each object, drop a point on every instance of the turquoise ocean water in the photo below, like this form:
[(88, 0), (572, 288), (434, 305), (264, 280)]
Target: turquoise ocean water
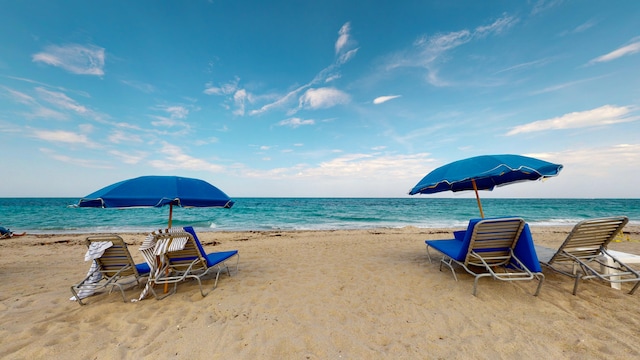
[(54, 215)]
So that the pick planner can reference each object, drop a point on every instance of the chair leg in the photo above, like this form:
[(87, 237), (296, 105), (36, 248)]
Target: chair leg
[(73, 291), (449, 265), (428, 254), (635, 287), (575, 285), (540, 280)]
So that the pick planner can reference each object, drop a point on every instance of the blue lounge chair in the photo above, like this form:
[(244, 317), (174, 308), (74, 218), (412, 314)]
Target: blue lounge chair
[(491, 243), (190, 261)]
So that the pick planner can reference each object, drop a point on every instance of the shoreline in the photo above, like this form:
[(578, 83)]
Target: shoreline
[(312, 294)]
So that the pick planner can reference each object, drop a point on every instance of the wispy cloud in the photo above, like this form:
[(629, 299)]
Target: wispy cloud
[(360, 166), (176, 159), (429, 52), (630, 49), (236, 96), (363, 166), (119, 137), (604, 115), (323, 97), (75, 58), (580, 28), (526, 65), (544, 5), (144, 87), (564, 85), (130, 158), (61, 101), (384, 99), (62, 136), (176, 116), (222, 89), (75, 161), (343, 38), (295, 122)]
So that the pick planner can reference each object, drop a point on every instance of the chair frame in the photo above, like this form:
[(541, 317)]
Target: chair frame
[(115, 264), (587, 244), (490, 247), (178, 265)]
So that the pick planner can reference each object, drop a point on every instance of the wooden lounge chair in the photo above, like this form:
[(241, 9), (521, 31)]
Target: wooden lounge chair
[(114, 267), (486, 246), (585, 246), (187, 260)]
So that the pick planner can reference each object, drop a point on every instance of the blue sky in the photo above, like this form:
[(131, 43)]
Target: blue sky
[(317, 98)]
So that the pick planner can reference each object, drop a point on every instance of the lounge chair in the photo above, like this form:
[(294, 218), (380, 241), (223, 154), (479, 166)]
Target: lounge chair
[(186, 260), (488, 244), (112, 266), (586, 245)]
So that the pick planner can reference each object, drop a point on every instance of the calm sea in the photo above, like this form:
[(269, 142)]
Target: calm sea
[(54, 215)]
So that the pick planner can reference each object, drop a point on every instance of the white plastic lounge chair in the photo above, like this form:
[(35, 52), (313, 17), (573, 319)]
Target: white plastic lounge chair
[(112, 267), (186, 260), (487, 245), (586, 245)]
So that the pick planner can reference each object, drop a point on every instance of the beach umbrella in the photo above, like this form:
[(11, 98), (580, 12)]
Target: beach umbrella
[(484, 173), (158, 191)]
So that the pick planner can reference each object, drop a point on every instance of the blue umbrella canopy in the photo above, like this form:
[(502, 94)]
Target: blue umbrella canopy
[(484, 173), (158, 191)]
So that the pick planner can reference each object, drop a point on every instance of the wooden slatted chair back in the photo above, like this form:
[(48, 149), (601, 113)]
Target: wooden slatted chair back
[(588, 237), (115, 258), (493, 240)]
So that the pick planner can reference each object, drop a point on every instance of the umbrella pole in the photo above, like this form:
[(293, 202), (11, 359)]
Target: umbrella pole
[(475, 188)]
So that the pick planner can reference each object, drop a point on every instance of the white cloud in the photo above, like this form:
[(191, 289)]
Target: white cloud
[(384, 99), (604, 115), (295, 122), (343, 37), (618, 53), (223, 89), (176, 159), (129, 158), (368, 166), (61, 100), (75, 58), (344, 51), (429, 52), (62, 136), (21, 97), (354, 167), (544, 5), (176, 112), (75, 161), (589, 170), (323, 98), (347, 56), (239, 98), (144, 87), (119, 137)]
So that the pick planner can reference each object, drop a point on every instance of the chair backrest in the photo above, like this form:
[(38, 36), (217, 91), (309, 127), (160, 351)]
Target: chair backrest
[(114, 258), (493, 240), (190, 254), (588, 237)]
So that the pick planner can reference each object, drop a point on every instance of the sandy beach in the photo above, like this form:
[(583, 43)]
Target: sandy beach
[(361, 294)]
